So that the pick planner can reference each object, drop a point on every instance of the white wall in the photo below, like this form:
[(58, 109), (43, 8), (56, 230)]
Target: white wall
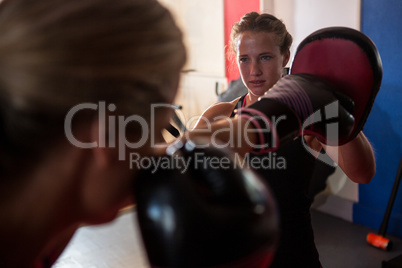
[(311, 15), (302, 17), (202, 22)]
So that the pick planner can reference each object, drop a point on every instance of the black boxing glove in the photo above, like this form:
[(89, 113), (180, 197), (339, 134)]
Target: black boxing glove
[(199, 208), (350, 61), (300, 104)]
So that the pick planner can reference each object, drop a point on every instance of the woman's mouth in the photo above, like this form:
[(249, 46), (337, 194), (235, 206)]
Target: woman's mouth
[(257, 83)]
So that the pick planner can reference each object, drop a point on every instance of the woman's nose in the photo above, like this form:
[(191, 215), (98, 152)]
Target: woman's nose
[(255, 69)]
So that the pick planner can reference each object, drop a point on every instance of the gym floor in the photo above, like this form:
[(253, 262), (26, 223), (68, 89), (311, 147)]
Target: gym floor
[(117, 244), (343, 244)]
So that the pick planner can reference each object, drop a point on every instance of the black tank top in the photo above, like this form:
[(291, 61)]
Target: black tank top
[(288, 172)]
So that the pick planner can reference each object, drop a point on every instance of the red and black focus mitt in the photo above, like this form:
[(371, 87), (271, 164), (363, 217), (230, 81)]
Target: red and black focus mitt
[(347, 59)]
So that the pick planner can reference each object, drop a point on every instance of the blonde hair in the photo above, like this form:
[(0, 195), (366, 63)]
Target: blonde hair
[(55, 54), (255, 22)]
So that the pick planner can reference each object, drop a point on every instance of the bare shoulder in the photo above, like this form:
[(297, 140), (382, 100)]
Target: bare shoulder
[(216, 112)]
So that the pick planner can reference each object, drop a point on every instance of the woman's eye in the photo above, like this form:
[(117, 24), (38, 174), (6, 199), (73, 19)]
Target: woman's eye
[(266, 57), (243, 59)]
